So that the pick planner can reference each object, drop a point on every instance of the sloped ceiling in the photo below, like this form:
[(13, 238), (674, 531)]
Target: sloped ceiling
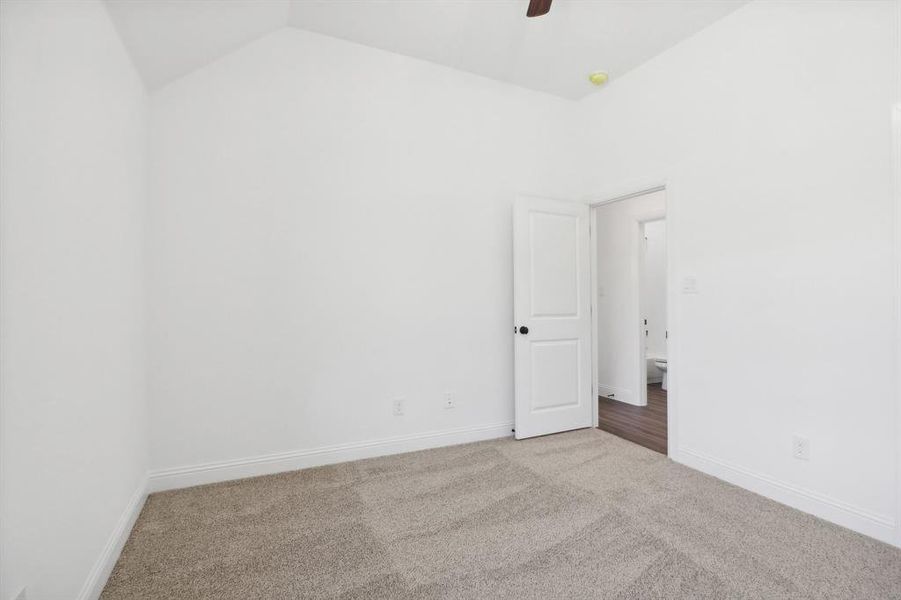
[(553, 53), (170, 38)]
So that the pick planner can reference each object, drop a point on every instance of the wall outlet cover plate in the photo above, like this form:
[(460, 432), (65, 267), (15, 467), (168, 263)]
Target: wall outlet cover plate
[(800, 447), (689, 285), (397, 407)]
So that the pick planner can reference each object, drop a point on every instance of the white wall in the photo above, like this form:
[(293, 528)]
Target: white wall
[(618, 236), (773, 127), (653, 289), (330, 230), (74, 444)]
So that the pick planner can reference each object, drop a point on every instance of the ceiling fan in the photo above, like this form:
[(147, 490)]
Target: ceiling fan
[(538, 8)]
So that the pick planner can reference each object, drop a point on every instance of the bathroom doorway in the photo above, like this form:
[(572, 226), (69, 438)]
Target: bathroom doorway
[(630, 318)]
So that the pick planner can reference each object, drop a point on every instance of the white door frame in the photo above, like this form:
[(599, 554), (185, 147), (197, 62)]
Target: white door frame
[(616, 194), (641, 253), (896, 160)]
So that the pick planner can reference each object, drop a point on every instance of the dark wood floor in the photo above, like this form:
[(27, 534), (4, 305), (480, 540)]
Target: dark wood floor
[(644, 425)]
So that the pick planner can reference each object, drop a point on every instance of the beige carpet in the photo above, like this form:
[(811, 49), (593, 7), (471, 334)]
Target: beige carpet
[(576, 515)]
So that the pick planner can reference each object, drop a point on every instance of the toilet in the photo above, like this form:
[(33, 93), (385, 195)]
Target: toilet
[(660, 363)]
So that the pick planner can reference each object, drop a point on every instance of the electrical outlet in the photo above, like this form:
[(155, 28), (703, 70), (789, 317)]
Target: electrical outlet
[(449, 401), (397, 407), (800, 447)]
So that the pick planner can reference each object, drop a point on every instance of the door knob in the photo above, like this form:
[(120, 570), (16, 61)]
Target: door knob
[(524, 330)]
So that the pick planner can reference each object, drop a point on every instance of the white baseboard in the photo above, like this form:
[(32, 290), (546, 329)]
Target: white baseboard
[(107, 560), (615, 393), (181, 477), (881, 527)]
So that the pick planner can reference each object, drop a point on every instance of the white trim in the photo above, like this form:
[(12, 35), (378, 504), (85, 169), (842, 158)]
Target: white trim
[(896, 151), (639, 258), (595, 350), (896, 168), (858, 519), (102, 569), (636, 268), (628, 189), (181, 477), (673, 328), (619, 394)]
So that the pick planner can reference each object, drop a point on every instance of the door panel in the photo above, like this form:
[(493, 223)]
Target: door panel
[(552, 360), (555, 374), (555, 281)]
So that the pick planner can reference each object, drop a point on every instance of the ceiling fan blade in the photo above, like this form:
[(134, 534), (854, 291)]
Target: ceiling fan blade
[(538, 8)]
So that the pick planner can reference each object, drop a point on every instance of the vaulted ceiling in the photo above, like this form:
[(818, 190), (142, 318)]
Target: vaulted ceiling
[(554, 53)]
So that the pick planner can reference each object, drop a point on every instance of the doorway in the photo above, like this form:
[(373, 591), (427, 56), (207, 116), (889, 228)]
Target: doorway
[(630, 318), (558, 284)]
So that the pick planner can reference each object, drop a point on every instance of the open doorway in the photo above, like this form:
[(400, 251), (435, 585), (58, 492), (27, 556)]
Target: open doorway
[(630, 318)]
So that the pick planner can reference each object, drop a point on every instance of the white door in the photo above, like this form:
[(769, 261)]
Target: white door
[(551, 308)]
